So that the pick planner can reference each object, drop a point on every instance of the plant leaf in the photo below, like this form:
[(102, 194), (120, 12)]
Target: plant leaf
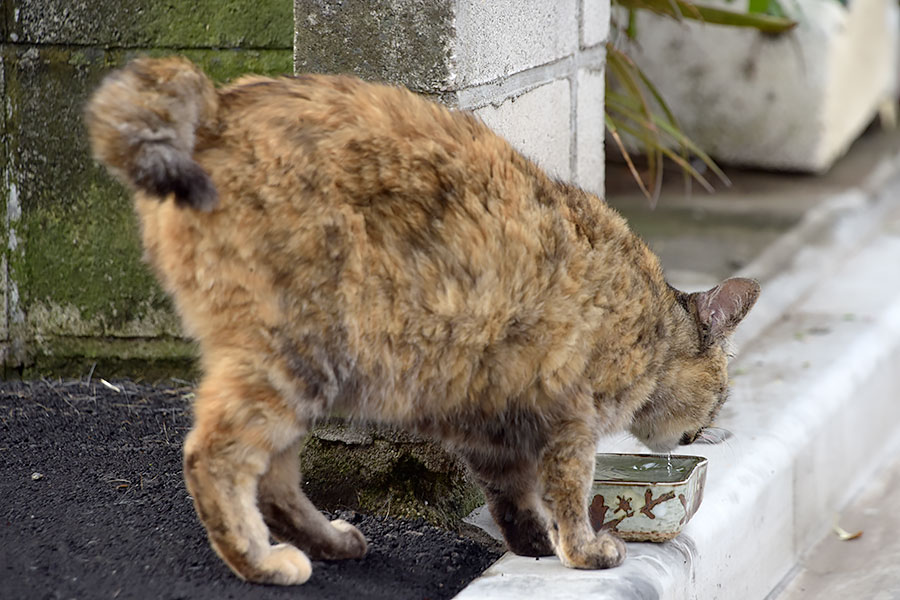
[(625, 106), (623, 70), (611, 127), (682, 9)]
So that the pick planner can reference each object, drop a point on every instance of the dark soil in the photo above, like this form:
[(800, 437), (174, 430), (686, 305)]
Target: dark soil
[(93, 505)]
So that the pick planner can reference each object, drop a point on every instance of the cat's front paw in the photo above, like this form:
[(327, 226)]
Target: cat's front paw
[(602, 551)]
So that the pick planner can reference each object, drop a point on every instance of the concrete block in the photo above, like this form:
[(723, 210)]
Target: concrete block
[(152, 24), (398, 41), (436, 46), (792, 102), (499, 38), (537, 123), (590, 130), (594, 23), (513, 62)]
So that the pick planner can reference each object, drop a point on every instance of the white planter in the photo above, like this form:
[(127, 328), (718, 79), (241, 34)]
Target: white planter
[(792, 102)]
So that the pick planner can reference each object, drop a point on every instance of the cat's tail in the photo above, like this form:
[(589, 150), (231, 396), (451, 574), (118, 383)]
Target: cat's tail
[(143, 121)]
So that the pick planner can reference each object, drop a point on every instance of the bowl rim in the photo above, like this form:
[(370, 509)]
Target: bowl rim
[(698, 463)]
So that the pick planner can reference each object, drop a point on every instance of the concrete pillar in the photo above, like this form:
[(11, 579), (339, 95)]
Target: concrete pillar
[(532, 69)]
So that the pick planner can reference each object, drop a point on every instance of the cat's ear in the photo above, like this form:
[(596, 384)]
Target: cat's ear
[(720, 309)]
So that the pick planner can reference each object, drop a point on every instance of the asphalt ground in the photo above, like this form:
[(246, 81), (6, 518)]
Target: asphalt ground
[(93, 505)]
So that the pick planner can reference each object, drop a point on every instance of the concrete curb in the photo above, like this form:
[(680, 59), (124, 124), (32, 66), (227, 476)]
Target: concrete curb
[(812, 404)]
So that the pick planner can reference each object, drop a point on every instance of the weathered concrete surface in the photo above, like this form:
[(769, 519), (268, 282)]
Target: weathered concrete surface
[(547, 109), (496, 39), (398, 41), (385, 471)]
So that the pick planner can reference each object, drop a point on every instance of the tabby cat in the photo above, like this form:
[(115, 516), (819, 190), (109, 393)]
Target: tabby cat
[(341, 247)]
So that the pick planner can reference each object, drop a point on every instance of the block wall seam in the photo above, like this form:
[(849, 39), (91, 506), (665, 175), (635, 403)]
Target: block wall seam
[(512, 86), (573, 125), (573, 92)]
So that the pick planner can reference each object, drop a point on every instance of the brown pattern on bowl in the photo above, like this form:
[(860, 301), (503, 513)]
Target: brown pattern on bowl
[(646, 497)]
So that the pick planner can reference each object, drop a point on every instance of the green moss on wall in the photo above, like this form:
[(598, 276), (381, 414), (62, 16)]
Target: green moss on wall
[(5, 14), (152, 23), (242, 24), (225, 66), (77, 264), (77, 229), (155, 359)]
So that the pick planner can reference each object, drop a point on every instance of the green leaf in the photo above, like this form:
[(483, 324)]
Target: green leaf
[(682, 9), (758, 7)]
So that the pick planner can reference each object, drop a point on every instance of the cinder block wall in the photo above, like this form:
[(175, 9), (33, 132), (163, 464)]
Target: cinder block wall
[(72, 288), (532, 69)]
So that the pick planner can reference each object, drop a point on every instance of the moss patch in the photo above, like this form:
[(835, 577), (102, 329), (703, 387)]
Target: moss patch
[(77, 228), (225, 66), (4, 200), (152, 23), (386, 472), (77, 262), (158, 359)]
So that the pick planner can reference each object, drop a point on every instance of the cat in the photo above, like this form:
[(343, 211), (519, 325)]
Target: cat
[(343, 247)]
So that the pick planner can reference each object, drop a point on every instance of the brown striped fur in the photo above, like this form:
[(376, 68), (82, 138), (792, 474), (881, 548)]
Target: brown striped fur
[(340, 247)]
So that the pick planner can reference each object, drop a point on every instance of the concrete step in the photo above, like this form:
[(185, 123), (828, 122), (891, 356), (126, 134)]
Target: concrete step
[(813, 411)]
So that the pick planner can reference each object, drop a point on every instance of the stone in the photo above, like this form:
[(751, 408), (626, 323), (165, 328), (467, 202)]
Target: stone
[(497, 39), (514, 63), (595, 23), (398, 41), (385, 471)]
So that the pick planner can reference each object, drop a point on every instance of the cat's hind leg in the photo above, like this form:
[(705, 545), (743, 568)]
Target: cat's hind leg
[(293, 518), (566, 471), (509, 485), (238, 427)]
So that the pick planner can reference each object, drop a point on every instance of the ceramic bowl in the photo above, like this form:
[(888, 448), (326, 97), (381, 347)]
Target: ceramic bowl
[(646, 497)]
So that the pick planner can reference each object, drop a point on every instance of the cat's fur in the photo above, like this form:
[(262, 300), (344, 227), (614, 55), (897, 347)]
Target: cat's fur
[(340, 247)]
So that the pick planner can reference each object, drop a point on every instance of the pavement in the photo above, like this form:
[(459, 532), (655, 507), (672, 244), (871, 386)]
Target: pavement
[(813, 409), (867, 566)]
